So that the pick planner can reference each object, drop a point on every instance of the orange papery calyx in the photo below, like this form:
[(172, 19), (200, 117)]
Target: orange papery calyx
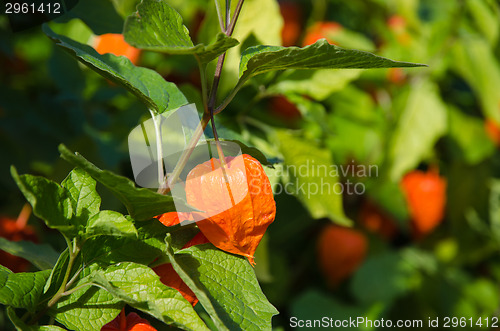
[(115, 43), (425, 193), (237, 203)]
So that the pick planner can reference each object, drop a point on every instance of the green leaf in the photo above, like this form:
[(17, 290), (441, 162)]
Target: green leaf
[(141, 203), (383, 278), (318, 188), (478, 297), (320, 55), (146, 84), (259, 22), (141, 288), (317, 84), (56, 275), (158, 27), (262, 260), (314, 305), (21, 326), (226, 286), (388, 195), (110, 223), (366, 149), (50, 201), (21, 290), (106, 250), (474, 144), (84, 199), (42, 256), (252, 151), (198, 290), (423, 121), (494, 211), (475, 60), (486, 19), (145, 249)]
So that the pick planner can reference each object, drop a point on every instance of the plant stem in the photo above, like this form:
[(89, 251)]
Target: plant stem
[(159, 149), (228, 14), (218, 70), (73, 290), (74, 250), (211, 104), (204, 88), (75, 276), (230, 29), (215, 83), (219, 15), (220, 62)]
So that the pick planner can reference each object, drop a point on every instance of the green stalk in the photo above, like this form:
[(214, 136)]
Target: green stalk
[(159, 150), (73, 253)]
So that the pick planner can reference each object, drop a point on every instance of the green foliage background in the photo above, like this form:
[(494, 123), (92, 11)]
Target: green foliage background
[(434, 117)]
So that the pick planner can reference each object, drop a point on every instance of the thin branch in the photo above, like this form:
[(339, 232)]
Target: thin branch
[(230, 29), (203, 77), (228, 13), (215, 84), (73, 290), (220, 61), (75, 276)]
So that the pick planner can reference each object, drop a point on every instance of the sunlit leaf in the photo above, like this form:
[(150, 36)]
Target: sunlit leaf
[(141, 203), (84, 199), (146, 84), (320, 55), (110, 223), (140, 287), (313, 179), (226, 286), (50, 201), (423, 121)]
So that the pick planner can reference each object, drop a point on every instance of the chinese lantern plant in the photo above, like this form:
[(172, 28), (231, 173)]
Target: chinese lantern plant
[(340, 252), (16, 230), (114, 43), (145, 259)]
